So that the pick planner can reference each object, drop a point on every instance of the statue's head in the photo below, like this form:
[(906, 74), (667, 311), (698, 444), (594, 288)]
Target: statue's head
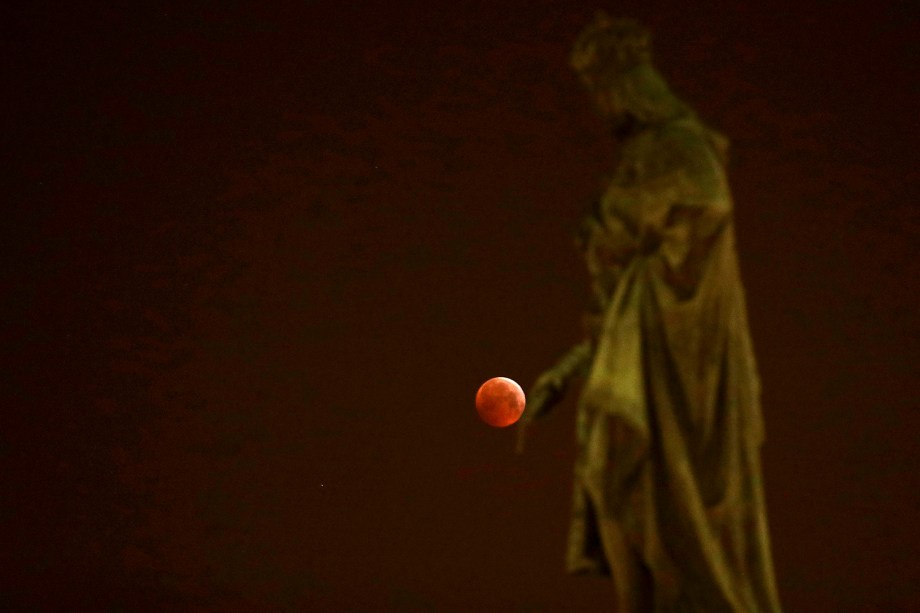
[(613, 58)]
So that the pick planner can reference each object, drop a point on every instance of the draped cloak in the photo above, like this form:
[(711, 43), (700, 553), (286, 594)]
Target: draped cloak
[(669, 422)]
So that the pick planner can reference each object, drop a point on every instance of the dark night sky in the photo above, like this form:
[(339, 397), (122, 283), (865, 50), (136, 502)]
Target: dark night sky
[(259, 260)]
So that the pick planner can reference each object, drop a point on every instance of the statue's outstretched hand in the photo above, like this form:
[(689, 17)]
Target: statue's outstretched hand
[(543, 396), (545, 393), (550, 387)]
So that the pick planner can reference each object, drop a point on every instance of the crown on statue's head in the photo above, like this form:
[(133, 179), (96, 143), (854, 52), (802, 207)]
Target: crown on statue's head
[(608, 47)]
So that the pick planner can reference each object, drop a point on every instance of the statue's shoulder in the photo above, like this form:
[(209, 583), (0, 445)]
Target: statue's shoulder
[(689, 146), (684, 135), (691, 139)]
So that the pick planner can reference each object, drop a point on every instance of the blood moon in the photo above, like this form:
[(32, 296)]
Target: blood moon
[(500, 402)]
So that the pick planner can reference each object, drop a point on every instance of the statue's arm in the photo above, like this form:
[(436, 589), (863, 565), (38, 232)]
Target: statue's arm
[(551, 386)]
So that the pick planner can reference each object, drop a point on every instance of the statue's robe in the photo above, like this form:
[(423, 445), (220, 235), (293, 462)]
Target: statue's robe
[(669, 423)]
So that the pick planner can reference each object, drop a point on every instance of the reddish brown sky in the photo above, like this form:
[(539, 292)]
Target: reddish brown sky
[(260, 259)]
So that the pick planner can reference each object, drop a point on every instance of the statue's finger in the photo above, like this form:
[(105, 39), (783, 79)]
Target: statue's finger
[(521, 436)]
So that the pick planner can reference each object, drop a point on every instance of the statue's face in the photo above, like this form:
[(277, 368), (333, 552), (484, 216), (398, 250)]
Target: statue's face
[(613, 111), (608, 103), (607, 99)]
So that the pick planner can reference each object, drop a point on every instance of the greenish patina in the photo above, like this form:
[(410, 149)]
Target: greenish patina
[(668, 494)]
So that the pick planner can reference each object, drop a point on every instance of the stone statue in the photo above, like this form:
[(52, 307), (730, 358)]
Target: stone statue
[(668, 495)]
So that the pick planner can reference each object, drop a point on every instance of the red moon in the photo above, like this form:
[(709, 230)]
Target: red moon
[(500, 402)]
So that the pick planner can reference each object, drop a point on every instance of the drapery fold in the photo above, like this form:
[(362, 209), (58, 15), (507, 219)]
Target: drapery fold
[(669, 422)]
